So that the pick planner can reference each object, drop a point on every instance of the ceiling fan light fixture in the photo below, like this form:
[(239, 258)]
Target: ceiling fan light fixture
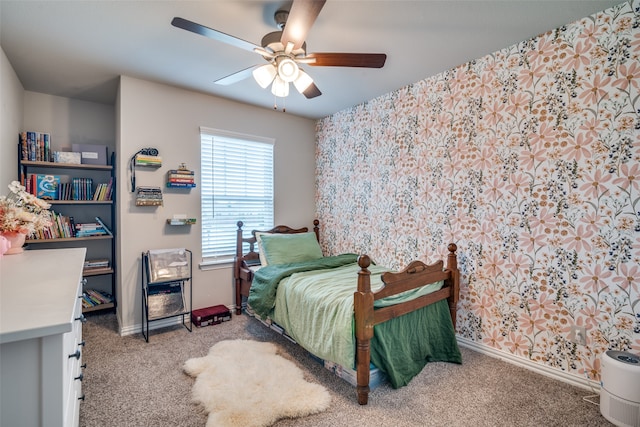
[(287, 69), (264, 75), (280, 87), (303, 81)]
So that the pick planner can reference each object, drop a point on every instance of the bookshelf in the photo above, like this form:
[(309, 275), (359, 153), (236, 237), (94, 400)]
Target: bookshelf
[(80, 210)]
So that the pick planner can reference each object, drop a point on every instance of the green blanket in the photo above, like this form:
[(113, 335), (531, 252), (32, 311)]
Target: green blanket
[(315, 307), (262, 295), (402, 346)]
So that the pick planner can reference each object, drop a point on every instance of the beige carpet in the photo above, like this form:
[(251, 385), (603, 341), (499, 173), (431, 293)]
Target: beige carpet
[(130, 383), (272, 386)]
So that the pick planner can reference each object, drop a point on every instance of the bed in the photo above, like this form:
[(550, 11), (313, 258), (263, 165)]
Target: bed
[(372, 317)]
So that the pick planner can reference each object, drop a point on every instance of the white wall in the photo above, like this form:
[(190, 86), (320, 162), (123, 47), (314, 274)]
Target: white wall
[(11, 109), (169, 119), (69, 121)]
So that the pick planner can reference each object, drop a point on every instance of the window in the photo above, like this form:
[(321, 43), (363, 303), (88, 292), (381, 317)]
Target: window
[(237, 185)]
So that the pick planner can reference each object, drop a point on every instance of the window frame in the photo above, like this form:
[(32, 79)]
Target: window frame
[(207, 207)]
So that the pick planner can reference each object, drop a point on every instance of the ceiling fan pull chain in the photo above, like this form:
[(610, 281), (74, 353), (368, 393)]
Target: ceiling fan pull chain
[(275, 104)]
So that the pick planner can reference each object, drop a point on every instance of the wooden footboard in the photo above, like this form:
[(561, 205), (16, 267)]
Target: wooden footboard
[(413, 276)]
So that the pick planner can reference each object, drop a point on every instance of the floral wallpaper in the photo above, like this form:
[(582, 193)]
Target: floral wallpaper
[(529, 160)]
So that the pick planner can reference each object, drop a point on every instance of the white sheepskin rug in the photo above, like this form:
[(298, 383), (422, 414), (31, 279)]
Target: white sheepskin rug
[(246, 384)]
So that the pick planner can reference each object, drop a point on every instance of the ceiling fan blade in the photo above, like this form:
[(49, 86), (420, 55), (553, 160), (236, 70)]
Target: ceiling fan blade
[(312, 91), (302, 15), (213, 34), (237, 76), (337, 59)]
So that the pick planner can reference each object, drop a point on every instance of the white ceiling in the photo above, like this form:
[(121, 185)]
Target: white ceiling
[(77, 49)]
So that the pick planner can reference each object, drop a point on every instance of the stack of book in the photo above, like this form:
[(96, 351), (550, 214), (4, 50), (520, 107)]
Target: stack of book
[(35, 146), (148, 196), (88, 229), (61, 227), (144, 160), (181, 178), (92, 297), (96, 264), (82, 188), (103, 191)]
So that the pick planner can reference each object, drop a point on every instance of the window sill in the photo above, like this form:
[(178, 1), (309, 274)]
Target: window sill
[(216, 264)]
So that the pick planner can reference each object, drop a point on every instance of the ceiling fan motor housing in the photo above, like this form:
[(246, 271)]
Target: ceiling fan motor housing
[(272, 42), (281, 18)]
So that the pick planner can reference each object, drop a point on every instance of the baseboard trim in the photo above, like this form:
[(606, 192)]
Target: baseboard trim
[(157, 324), (547, 371)]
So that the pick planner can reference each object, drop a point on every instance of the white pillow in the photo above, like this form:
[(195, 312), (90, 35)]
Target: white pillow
[(263, 258)]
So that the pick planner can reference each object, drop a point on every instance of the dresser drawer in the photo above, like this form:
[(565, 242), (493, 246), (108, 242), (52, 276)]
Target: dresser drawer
[(72, 379)]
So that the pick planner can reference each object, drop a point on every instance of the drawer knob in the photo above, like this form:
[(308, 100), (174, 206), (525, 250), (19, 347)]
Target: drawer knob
[(83, 366), (76, 355), (81, 318), (79, 377), (81, 398), (81, 344)]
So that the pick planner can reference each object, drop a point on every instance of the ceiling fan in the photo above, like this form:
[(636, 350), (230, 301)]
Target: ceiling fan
[(285, 50)]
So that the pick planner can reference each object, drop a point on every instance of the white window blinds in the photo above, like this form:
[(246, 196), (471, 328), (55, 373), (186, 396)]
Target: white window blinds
[(237, 185)]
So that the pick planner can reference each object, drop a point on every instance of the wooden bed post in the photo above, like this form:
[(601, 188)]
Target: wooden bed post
[(236, 267), (452, 264), (363, 306), (316, 229)]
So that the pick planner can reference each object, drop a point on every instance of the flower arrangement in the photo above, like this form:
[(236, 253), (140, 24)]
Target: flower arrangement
[(22, 212)]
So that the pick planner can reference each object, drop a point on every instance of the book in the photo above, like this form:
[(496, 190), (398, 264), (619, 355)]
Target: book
[(72, 226), (180, 181), (184, 178), (96, 263), (104, 226), (181, 172), (47, 186), (181, 184)]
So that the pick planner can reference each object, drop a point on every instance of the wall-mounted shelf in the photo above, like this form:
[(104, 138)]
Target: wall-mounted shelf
[(185, 221)]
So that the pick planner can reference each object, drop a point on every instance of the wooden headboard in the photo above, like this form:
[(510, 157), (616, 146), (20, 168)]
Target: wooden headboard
[(243, 261)]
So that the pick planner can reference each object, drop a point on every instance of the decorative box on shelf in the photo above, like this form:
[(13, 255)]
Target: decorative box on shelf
[(181, 177)]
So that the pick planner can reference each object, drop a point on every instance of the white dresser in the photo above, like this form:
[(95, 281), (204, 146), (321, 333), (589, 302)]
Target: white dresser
[(41, 337)]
